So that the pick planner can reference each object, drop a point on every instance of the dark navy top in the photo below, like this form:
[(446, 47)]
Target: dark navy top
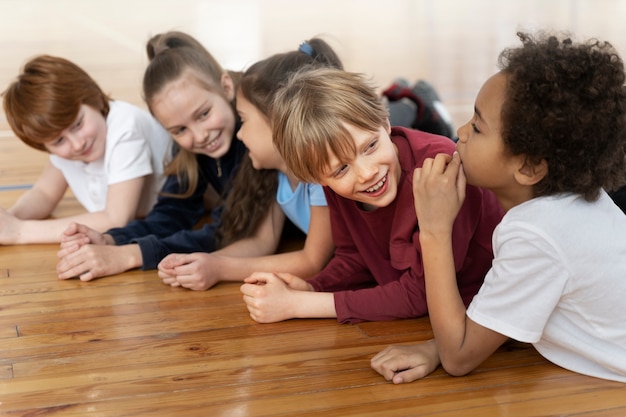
[(168, 228)]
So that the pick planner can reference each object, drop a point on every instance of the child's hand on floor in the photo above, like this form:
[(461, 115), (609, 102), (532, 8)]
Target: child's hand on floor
[(272, 297), (402, 364)]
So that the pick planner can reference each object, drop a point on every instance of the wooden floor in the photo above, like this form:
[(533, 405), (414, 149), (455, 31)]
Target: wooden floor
[(130, 346)]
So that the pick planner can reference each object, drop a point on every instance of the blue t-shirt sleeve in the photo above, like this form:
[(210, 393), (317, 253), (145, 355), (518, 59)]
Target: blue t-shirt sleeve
[(316, 195)]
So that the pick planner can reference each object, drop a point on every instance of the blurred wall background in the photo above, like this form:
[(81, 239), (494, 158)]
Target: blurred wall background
[(453, 44)]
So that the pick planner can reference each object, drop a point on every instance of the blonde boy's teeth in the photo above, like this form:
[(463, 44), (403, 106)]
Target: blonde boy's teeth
[(375, 187)]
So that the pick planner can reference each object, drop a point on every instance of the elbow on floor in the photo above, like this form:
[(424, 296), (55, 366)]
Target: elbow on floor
[(456, 368)]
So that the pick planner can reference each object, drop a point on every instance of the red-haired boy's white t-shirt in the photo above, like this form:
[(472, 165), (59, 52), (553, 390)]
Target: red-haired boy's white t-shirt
[(136, 145)]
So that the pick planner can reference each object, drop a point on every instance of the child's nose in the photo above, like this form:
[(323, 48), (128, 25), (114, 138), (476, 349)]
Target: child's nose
[(462, 132), (366, 172), (199, 134), (76, 141), (239, 134)]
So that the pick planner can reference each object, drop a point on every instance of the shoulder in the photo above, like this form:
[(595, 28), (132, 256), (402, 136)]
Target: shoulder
[(543, 209), (419, 140), (548, 222), (315, 193), (121, 107), (414, 146), (122, 113), (61, 163), (126, 121)]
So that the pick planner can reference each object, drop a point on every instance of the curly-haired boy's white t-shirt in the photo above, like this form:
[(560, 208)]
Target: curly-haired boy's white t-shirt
[(136, 145), (558, 281)]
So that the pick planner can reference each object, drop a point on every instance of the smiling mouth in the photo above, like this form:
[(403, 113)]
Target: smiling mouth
[(87, 151), (211, 143), (377, 186)]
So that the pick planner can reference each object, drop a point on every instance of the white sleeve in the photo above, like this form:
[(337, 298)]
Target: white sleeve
[(128, 151), (524, 285)]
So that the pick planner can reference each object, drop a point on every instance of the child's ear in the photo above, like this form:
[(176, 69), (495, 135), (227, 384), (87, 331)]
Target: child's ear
[(228, 85), (531, 174)]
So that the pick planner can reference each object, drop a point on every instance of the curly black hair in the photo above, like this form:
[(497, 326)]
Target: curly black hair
[(565, 103)]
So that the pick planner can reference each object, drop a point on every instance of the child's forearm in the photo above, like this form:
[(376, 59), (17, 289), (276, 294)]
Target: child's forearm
[(51, 230), (310, 304), (249, 247), (296, 263), (462, 344), (32, 205), (445, 306), (264, 241)]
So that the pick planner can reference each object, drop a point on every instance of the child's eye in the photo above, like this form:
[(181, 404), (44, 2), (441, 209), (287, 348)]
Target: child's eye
[(371, 145), (57, 142), (342, 169), (78, 124), (204, 114), (179, 131), (475, 128)]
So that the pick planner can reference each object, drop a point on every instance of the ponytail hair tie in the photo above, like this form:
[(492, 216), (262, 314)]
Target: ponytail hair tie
[(306, 48)]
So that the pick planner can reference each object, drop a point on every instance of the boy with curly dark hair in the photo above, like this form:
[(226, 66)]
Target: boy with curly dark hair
[(548, 136)]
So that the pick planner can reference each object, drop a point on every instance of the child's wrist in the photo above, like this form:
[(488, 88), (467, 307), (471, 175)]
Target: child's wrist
[(438, 237), (108, 239), (135, 258)]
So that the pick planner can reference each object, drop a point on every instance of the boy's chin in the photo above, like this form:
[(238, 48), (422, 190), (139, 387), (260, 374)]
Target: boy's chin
[(376, 203)]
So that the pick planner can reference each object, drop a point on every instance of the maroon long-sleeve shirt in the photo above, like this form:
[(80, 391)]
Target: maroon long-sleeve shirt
[(377, 272)]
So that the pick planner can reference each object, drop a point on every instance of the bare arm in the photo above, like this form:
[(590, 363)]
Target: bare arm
[(276, 297), (43, 197), (200, 271), (439, 190), (317, 251), (121, 207), (264, 241)]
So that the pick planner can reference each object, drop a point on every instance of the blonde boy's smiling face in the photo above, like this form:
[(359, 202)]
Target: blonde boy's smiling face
[(373, 174)]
